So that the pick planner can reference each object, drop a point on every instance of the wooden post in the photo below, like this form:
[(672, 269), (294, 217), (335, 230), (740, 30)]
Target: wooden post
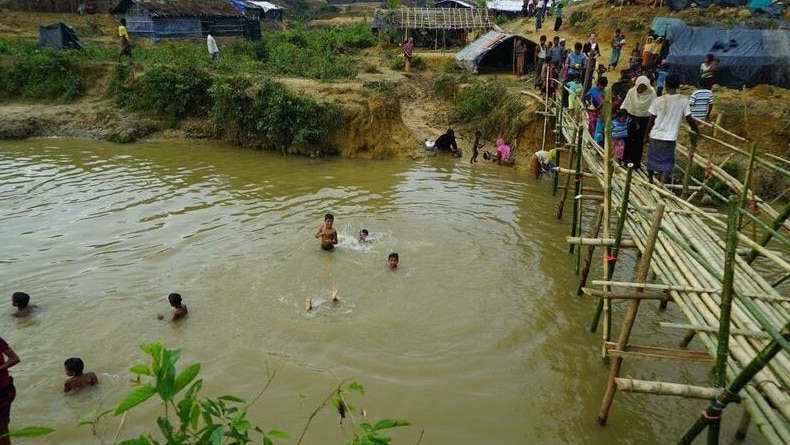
[(630, 316), (743, 425), (595, 229), (561, 204), (717, 406), (556, 178), (723, 348)]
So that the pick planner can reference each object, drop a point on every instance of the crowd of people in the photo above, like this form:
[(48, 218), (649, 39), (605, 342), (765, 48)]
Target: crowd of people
[(646, 105)]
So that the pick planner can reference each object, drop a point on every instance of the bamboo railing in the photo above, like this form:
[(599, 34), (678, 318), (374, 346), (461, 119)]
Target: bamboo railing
[(735, 312)]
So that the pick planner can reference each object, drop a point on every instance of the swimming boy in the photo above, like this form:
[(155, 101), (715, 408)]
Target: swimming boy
[(77, 380), (392, 261), (327, 233), (180, 308), (21, 302), (363, 235)]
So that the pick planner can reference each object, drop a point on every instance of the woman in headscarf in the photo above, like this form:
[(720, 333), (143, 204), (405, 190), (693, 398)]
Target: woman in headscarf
[(637, 103)]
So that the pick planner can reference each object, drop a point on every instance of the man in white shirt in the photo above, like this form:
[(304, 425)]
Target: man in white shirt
[(213, 49), (663, 126)]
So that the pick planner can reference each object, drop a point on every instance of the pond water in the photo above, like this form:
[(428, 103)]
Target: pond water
[(477, 338)]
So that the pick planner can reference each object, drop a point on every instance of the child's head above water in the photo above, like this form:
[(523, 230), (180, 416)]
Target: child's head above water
[(392, 260), (363, 235), (74, 366), (20, 300), (174, 299)]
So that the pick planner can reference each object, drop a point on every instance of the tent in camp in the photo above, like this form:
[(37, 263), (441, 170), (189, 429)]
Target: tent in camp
[(58, 36), (259, 10), (494, 51), (661, 24), (156, 19), (676, 5), (433, 27), (746, 56), (506, 6)]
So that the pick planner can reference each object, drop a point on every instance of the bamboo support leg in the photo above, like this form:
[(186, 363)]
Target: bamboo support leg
[(596, 228), (687, 339), (743, 425), (717, 406), (630, 317)]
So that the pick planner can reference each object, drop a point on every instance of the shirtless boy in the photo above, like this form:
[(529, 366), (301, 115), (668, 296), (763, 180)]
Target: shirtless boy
[(77, 380), (21, 302), (327, 233)]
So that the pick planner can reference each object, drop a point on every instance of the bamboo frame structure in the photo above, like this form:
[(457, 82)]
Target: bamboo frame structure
[(696, 268)]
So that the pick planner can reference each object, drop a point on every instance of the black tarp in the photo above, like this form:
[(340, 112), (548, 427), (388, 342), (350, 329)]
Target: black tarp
[(746, 56), (58, 36)]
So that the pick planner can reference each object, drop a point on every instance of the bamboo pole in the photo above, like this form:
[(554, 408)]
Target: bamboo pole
[(746, 182), (665, 389), (719, 371), (577, 183), (611, 254), (714, 410), (743, 425), (687, 172), (561, 205), (620, 295), (630, 316), (598, 241), (733, 331), (596, 227), (780, 219)]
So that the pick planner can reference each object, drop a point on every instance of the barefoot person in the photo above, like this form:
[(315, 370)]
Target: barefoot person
[(8, 358), (309, 303), (408, 52), (123, 38)]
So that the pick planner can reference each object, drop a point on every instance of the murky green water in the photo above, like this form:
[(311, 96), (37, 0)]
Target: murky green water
[(478, 338)]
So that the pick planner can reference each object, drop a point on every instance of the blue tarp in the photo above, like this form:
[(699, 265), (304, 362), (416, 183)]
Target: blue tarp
[(660, 24), (747, 56)]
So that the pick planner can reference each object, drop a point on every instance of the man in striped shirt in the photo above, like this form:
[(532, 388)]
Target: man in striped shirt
[(701, 103)]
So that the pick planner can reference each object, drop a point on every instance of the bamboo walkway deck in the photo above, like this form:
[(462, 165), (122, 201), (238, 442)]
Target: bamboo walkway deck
[(688, 262)]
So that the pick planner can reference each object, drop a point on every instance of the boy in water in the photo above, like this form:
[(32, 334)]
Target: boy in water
[(180, 308), (327, 233), (363, 235), (21, 302), (476, 146), (392, 261), (308, 302), (77, 380)]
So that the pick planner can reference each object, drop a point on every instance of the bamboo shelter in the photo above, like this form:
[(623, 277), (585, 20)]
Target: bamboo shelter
[(688, 256), (434, 24)]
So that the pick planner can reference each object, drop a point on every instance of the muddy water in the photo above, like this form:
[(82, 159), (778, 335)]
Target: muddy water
[(477, 338)]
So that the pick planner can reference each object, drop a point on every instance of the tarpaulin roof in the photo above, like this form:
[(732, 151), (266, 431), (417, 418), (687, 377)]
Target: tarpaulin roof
[(181, 8), (676, 5), (660, 24), (505, 5), (747, 56), (470, 56), (59, 36), (454, 4), (266, 6)]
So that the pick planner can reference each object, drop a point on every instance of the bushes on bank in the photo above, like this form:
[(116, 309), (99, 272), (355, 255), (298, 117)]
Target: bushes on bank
[(45, 75), (490, 107), (267, 114)]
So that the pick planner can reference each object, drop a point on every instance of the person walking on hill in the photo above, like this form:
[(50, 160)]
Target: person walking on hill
[(213, 49), (408, 52), (558, 17), (663, 126), (123, 38), (618, 41)]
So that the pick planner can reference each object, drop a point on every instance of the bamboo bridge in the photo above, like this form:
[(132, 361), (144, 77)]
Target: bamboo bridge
[(697, 258)]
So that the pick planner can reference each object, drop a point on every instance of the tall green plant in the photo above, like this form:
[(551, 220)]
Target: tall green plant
[(490, 107), (172, 92), (43, 75)]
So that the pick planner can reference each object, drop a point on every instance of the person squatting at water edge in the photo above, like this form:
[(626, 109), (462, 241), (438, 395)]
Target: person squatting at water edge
[(543, 162), (446, 142)]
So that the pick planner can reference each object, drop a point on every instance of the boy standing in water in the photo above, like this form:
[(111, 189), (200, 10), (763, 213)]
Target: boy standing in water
[(21, 302), (327, 233), (392, 261), (77, 380), (476, 145), (180, 308)]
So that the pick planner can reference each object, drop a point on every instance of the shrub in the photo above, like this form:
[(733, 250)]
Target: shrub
[(43, 75), (490, 107), (274, 117), (172, 92), (445, 86)]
